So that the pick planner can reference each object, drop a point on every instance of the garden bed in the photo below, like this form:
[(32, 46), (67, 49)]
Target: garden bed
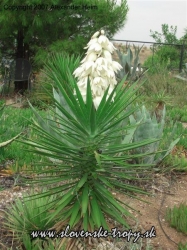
[(164, 193)]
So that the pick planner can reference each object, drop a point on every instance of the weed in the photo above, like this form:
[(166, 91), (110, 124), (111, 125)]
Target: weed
[(182, 246), (177, 217), (163, 82)]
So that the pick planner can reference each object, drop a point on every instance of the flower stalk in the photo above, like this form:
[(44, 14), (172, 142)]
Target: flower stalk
[(97, 67)]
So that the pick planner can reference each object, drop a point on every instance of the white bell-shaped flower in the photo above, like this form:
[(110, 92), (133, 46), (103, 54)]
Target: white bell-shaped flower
[(90, 57), (82, 82), (103, 40), (98, 67), (116, 66), (110, 73), (78, 71), (110, 47), (106, 54), (95, 34), (96, 47), (92, 41), (97, 101), (97, 90)]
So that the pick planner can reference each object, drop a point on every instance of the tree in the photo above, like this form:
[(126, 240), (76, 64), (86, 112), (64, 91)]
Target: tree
[(33, 30), (184, 37), (167, 54), (168, 34)]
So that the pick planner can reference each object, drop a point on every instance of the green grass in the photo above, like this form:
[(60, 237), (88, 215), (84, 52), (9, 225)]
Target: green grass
[(178, 164), (2, 188), (179, 131), (183, 141), (177, 113), (177, 217), (13, 122), (182, 246)]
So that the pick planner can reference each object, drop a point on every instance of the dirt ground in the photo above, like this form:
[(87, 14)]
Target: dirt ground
[(164, 195)]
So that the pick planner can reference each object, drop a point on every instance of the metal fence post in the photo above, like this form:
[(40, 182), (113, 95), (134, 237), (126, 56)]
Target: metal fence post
[(181, 57), (153, 54)]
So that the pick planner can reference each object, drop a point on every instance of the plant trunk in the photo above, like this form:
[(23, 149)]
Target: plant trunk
[(159, 111)]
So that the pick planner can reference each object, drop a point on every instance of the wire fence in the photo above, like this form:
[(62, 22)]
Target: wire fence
[(182, 48)]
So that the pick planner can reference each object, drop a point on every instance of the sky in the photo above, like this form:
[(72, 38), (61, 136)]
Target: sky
[(146, 15)]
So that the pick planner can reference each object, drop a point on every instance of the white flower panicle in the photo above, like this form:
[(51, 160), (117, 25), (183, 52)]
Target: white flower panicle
[(98, 67)]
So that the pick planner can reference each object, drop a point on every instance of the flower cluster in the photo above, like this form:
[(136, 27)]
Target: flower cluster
[(98, 67)]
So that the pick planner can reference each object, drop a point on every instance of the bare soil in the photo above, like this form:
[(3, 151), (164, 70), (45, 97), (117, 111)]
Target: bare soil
[(16, 101), (164, 195)]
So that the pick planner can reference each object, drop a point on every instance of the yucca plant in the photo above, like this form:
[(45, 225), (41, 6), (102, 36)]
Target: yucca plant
[(160, 100), (84, 144), (89, 152), (26, 215), (59, 66), (40, 244), (39, 97)]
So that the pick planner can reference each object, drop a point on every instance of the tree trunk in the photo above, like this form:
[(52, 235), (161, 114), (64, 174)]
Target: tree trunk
[(26, 51), (20, 44), (22, 51)]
